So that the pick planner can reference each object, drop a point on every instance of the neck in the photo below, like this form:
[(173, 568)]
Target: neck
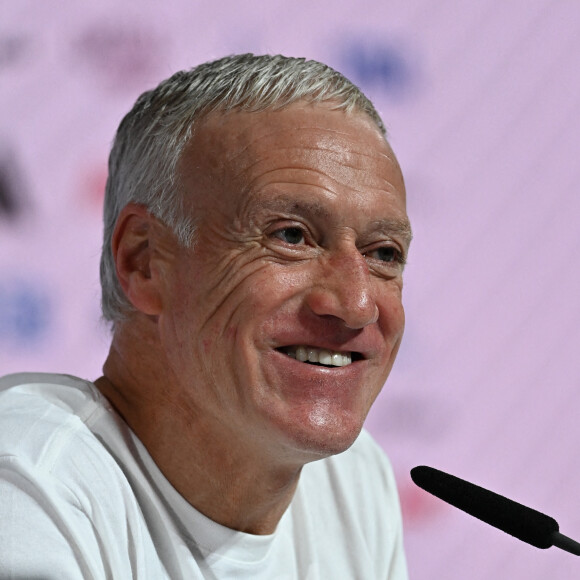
[(223, 476)]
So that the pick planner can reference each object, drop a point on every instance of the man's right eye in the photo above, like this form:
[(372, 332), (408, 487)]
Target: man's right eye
[(292, 236)]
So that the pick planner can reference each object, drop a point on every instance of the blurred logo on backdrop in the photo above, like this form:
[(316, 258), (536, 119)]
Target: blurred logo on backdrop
[(14, 47), (9, 203), (24, 313), (120, 54), (11, 186), (388, 67), (92, 183)]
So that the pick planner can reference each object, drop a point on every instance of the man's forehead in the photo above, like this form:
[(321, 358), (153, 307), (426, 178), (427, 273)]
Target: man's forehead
[(238, 132), (312, 145)]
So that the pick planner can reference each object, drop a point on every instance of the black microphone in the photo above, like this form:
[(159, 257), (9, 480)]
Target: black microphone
[(516, 519)]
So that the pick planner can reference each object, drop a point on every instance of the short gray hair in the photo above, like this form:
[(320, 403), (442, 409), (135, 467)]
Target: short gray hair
[(152, 136)]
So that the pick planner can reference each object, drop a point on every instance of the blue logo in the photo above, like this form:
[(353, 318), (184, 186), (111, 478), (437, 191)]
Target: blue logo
[(378, 65), (24, 313)]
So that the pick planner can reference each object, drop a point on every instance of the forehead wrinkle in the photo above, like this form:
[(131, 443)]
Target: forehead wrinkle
[(328, 183), (339, 152), (320, 186), (356, 184), (331, 146), (248, 142), (294, 181), (300, 151)]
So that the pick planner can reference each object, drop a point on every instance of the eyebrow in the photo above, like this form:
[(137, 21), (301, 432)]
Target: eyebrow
[(399, 227), (291, 204)]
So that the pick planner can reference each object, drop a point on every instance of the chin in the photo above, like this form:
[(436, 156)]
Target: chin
[(322, 434)]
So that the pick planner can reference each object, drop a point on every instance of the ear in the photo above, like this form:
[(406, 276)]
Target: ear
[(133, 245)]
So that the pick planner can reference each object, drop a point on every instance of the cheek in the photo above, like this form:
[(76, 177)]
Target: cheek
[(234, 314), (272, 288), (392, 315)]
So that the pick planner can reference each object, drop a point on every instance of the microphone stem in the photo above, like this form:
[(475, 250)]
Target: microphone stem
[(565, 543)]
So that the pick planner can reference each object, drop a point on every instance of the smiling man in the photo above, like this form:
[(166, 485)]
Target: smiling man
[(255, 239)]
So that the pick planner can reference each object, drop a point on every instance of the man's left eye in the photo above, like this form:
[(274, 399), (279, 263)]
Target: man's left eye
[(386, 254), (292, 236)]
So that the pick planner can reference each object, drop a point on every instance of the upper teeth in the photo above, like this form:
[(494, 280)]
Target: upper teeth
[(319, 355)]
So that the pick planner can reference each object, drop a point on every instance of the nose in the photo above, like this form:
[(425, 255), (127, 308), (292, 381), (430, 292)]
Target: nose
[(344, 289)]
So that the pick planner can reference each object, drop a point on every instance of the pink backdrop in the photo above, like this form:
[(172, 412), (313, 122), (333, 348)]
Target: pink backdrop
[(482, 103)]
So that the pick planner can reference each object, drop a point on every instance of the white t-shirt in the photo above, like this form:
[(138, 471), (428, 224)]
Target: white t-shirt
[(80, 497)]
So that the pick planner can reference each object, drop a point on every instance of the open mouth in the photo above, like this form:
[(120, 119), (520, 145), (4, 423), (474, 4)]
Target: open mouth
[(321, 356)]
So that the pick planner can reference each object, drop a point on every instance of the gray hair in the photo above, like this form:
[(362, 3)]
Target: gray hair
[(153, 135)]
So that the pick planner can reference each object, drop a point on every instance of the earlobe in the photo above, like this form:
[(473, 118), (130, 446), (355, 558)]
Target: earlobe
[(132, 245)]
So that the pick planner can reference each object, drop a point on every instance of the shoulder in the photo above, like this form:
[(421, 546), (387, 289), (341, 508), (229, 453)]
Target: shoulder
[(57, 435), (49, 435), (41, 414), (30, 393), (64, 493)]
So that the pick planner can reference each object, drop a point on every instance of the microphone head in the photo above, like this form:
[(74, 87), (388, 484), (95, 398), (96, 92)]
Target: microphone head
[(520, 521)]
